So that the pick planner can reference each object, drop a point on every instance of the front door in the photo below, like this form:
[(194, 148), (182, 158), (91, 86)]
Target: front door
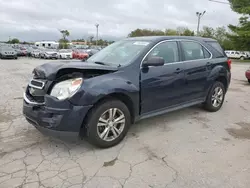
[(162, 86)]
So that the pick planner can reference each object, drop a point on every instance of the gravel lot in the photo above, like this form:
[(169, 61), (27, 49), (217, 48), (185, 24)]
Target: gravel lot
[(190, 148)]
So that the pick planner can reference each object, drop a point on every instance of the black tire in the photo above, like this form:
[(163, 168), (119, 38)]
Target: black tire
[(93, 118), (248, 80), (208, 103), (242, 58)]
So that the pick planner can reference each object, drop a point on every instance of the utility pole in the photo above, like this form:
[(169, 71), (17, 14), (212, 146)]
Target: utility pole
[(199, 15), (97, 25)]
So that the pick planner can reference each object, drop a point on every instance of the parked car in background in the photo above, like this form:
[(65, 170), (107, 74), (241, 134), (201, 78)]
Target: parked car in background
[(49, 54), (42, 53), (29, 51), (247, 74), (74, 54), (65, 54), (7, 52), (237, 55), (92, 52), (80, 54), (18, 51), (130, 80), (35, 53), (23, 52)]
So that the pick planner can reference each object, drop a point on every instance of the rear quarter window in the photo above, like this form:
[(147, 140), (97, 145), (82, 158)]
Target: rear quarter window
[(218, 51)]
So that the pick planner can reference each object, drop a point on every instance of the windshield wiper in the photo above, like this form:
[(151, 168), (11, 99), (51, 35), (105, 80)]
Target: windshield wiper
[(100, 63), (109, 64)]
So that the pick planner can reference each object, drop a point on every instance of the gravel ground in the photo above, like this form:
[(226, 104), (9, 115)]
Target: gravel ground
[(189, 148)]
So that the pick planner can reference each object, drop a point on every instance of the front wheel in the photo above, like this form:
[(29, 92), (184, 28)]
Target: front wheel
[(242, 58), (248, 80), (108, 123), (215, 97)]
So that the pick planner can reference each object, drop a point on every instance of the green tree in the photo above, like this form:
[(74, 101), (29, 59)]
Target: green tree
[(14, 41), (145, 32), (65, 34), (63, 42), (171, 32), (183, 31), (207, 32), (240, 35)]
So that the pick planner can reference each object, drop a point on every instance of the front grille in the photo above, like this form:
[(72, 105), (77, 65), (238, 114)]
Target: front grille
[(33, 97), (37, 83), (36, 90)]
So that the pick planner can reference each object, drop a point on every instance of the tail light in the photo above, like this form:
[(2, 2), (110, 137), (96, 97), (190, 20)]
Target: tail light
[(229, 62)]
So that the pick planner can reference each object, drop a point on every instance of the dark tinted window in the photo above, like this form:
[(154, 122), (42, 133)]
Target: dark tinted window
[(217, 46), (167, 50), (192, 51)]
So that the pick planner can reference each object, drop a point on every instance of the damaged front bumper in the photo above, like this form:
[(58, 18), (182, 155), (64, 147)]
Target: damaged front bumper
[(55, 118)]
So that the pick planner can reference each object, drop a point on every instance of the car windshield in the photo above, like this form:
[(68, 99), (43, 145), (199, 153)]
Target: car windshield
[(119, 53)]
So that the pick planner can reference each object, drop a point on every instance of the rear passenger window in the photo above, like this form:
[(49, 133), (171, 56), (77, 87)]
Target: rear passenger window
[(193, 51), (167, 50)]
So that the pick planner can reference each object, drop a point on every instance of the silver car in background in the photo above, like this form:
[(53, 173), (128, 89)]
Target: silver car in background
[(7, 52)]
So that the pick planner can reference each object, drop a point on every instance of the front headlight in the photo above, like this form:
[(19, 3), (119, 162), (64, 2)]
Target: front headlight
[(66, 89)]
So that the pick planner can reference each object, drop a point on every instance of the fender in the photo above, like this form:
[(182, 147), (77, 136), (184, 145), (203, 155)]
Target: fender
[(96, 88), (217, 71)]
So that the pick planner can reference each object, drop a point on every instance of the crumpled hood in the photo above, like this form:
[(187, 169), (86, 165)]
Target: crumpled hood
[(49, 70)]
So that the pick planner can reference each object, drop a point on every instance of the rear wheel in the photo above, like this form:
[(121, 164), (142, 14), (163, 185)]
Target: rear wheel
[(108, 123), (249, 80), (215, 97)]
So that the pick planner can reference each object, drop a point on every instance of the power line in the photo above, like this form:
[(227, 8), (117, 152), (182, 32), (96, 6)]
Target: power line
[(220, 2)]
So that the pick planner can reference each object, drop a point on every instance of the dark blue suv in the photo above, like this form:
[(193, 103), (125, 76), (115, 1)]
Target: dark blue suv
[(130, 80)]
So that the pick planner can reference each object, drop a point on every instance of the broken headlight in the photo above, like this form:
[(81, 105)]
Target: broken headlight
[(66, 89)]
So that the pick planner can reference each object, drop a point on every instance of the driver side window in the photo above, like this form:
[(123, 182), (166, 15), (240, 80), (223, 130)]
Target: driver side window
[(167, 50)]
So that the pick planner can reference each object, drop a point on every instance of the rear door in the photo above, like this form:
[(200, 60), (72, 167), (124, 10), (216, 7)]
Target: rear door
[(198, 65)]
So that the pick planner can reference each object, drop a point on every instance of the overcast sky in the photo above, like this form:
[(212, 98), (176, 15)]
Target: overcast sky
[(33, 20)]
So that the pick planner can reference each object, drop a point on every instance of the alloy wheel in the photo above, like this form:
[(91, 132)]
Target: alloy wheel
[(111, 124), (217, 97)]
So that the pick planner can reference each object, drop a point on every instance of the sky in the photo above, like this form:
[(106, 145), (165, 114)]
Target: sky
[(34, 20)]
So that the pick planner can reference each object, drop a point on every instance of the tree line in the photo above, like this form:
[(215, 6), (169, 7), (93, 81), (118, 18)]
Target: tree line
[(220, 33), (231, 38)]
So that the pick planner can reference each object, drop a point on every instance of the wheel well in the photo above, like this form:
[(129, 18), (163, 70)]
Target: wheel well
[(125, 99), (223, 80), (119, 96)]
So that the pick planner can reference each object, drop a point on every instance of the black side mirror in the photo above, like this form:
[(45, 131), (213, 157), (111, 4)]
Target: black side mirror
[(153, 61)]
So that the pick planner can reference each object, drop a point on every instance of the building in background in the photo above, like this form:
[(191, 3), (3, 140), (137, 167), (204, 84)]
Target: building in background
[(47, 44)]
